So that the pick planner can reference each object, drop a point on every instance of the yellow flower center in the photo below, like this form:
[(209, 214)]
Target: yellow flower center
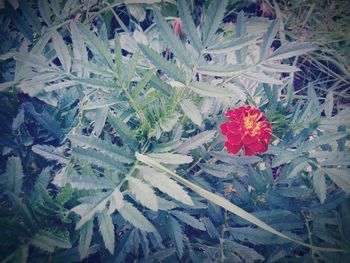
[(251, 124)]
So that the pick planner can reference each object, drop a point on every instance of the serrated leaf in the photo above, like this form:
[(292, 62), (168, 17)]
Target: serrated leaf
[(88, 210), (163, 64), (168, 124), (214, 170), (321, 140), (18, 21), (232, 45), (116, 201), (106, 227), (98, 158), (60, 85), (290, 49), (329, 104), (247, 253), (279, 68), (285, 157), (14, 175), (135, 217), (29, 14), (171, 158), (123, 131), (48, 241), (196, 141), (103, 146), (165, 184), (85, 239), (44, 10), (339, 176), (118, 55), (61, 51), (224, 203), (100, 119), (89, 182), (79, 49), (319, 182), (188, 219), (176, 235), (207, 89), (296, 166), (191, 111), (221, 70), (188, 24), (161, 85), (101, 103), (50, 153), (143, 193), (173, 41), (142, 83), (212, 19), (99, 84), (262, 78), (268, 38), (96, 45)]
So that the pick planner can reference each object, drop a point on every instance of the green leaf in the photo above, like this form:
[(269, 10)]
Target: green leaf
[(142, 83), (319, 182), (220, 70), (135, 217), (99, 84), (163, 64), (171, 158), (85, 239), (103, 146), (29, 14), (60, 85), (290, 50), (18, 21), (97, 46), (188, 219), (14, 175), (173, 41), (329, 104), (262, 78), (88, 210), (123, 131), (50, 153), (118, 55), (191, 111), (116, 201), (196, 141), (321, 140), (296, 166), (79, 48), (279, 68), (210, 90), (176, 235), (165, 184), (99, 158), (160, 85), (107, 230), (341, 177), (168, 124), (48, 241), (212, 19), (268, 38), (285, 157), (143, 193), (100, 120), (44, 10), (224, 203), (61, 50), (101, 103), (232, 45), (188, 24)]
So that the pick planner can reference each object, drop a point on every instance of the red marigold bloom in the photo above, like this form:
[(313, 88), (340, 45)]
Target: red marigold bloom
[(179, 29), (247, 128)]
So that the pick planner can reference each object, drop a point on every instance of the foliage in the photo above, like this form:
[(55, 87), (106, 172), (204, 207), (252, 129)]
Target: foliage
[(110, 143)]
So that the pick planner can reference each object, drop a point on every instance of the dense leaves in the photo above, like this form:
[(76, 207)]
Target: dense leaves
[(110, 136)]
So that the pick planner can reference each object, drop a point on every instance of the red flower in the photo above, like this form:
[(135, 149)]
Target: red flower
[(246, 129), (179, 29)]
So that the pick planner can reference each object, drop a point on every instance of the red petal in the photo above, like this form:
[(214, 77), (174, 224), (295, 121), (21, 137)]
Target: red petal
[(234, 127), (264, 148), (233, 148), (248, 139), (223, 128), (256, 147), (234, 139), (248, 151)]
